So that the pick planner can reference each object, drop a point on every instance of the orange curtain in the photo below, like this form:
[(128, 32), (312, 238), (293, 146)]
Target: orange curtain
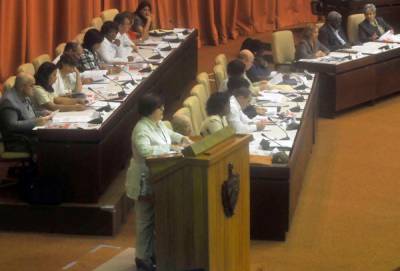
[(294, 12), (29, 28)]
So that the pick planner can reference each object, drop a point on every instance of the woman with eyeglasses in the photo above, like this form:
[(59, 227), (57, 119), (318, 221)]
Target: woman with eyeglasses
[(149, 137)]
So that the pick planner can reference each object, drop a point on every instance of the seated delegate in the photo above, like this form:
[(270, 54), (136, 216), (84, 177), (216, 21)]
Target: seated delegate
[(68, 80), (44, 97), (109, 51), (310, 47), (17, 116), (126, 46), (89, 59), (331, 34), (142, 20), (239, 100), (237, 68), (217, 108), (372, 27)]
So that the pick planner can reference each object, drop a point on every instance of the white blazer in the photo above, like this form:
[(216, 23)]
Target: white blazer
[(238, 120), (148, 138)]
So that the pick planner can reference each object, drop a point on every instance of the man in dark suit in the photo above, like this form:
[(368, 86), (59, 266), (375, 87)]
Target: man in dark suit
[(331, 33), (372, 27)]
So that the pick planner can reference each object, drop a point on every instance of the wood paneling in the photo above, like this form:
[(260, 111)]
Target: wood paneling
[(191, 228)]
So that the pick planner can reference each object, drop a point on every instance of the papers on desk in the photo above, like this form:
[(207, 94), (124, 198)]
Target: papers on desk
[(100, 104), (75, 117), (95, 75), (389, 37), (272, 97)]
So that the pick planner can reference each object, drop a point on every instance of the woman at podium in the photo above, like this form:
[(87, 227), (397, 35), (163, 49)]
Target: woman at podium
[(150, 137)]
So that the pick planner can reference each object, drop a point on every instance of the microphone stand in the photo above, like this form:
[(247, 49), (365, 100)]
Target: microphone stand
[(130, 75), (122, 93), (280, 145), (106, 108), (283, 130)]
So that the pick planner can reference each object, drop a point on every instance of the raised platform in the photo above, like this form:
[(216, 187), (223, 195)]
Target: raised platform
[(102, 218)]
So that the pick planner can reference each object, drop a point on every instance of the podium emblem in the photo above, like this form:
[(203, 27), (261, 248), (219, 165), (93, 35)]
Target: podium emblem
[(230, 192)]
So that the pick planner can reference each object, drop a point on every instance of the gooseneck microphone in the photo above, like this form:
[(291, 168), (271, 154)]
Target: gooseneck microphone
[(132, 81), (122, 93), (106, 108), (283, 130)]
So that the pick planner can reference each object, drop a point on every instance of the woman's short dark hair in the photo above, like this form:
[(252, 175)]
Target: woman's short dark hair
[(42, 76), (120, 18), (241, 92), (216, 104), (148, 103), (92, 37), (67, 60), (235, 82), (71, 47), (235, 68), (142, 4), (109, 27)]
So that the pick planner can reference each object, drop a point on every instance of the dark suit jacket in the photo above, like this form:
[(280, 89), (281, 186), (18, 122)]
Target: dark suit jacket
[(259, 71), (328, 38), (304, 50), (366, 30)]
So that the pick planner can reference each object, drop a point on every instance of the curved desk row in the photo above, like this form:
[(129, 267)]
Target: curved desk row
[(349, 83), (91, 159)]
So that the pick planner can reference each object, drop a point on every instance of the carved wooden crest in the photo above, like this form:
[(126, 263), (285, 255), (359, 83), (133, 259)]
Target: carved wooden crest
[(230, 192)]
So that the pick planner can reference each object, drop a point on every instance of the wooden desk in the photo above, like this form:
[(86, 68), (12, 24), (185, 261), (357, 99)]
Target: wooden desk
[(388, 9), (275, 189), (91, 159), (346, 85)]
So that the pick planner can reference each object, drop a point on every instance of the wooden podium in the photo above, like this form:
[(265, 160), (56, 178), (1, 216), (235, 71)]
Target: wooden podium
[(192, 230)]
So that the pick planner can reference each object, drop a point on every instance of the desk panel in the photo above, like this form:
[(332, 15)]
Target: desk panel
[(91, 159)]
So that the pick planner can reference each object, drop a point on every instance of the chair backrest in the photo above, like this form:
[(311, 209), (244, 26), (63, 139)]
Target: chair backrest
[(193, 104), (352, 26), (200, 92), (59, 49), (283, 48), (220, 75), (79, 38), (40, 60), (221, 59), (97, 23), (9, 83), (204, 79), (26, 67), (87, 29), (182, 122), (109, 14)]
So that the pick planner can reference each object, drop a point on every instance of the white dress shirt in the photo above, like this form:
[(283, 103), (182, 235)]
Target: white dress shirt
[(64, 85), (125, 47), (336, 32), (108, 52), (238, 120)]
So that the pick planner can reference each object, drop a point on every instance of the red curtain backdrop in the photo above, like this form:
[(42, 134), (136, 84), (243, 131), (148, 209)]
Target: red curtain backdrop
[(29, 28)]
